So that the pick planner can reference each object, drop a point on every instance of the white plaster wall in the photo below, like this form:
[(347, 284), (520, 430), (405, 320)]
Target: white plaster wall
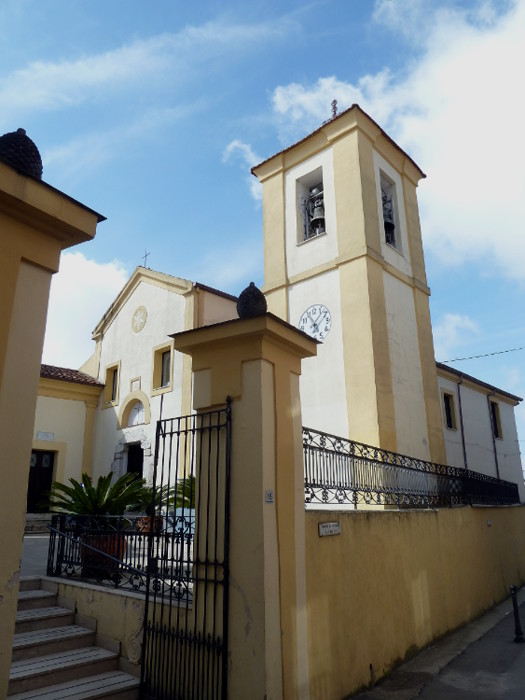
[(166, 313), (321, 249), (478, 435), (478, 432), (64, 418), (508, 448), (398, 257), (322, 385), (453, 442), (217, 309), (407, 384)]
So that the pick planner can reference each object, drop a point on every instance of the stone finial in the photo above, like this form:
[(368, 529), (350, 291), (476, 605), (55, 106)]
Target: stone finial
[(251, 302), (18, 151)]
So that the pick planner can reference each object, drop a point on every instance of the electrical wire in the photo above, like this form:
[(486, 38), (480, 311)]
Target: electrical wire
[(476, 357)]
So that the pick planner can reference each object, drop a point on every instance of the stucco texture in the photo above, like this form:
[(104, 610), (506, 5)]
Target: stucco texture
[(394, 581)]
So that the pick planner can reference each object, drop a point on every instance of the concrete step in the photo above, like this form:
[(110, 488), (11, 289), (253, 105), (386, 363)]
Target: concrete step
[(36, 598), (114, 685), (30, 583), (29, 645), (42, 618), (61, 667)]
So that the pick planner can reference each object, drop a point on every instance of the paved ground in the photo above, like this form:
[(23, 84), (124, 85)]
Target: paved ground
[(480, 661)]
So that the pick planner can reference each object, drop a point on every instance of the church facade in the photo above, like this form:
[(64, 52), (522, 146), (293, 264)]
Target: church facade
[(343, 262)]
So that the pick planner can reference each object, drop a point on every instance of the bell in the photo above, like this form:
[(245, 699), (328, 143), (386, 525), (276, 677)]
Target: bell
[(389, 231), (317, 220)]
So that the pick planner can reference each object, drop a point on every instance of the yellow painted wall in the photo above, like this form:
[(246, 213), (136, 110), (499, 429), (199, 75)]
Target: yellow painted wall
[(66, 420), (36, 223), (394, 581), (119, 614), (21, 370)]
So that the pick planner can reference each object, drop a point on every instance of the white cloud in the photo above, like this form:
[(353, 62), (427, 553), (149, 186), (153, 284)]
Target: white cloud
[(458, 112), (172, 57), (89, 151), (80, 294), (451, 333), (239, 150)]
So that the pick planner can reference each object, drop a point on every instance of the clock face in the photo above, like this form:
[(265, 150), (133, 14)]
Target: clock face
[(316, 321)]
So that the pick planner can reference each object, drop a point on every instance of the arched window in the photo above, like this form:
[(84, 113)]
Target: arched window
[(136, 414)]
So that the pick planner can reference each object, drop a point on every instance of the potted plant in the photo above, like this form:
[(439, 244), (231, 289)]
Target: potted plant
[(153, 502), (94, 505)]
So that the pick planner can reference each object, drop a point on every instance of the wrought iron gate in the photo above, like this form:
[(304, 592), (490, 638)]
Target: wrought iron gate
[(186, 618)]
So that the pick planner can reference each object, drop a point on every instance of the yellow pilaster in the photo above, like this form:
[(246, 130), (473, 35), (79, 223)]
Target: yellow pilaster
[(258, 362), (36, 223)]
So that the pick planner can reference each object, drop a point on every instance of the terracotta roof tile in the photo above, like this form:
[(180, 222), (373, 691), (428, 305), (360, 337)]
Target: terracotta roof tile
[(67, 375)]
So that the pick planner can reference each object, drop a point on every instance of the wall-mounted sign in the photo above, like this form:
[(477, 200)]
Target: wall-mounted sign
[(268, 496), (45, 436), (326, 529)]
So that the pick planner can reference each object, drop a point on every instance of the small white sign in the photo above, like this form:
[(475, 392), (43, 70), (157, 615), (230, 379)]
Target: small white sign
[(268, 496), (329, 529), (45, 436)]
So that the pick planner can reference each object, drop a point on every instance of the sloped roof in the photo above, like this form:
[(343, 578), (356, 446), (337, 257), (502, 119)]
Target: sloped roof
[(64, 374), (446, 368), (355, 106), (162, 279)]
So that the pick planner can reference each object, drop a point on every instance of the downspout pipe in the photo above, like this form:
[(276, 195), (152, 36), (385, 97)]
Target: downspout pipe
[(461, 424), (492, 430)]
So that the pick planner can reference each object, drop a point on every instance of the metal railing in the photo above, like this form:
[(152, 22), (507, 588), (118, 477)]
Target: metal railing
[(113, 551), (344, 472)]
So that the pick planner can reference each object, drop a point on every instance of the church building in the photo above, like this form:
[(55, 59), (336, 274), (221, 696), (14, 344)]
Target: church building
[(343, 262)]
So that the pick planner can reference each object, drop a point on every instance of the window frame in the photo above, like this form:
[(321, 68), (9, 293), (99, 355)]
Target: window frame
[(449, 398), (387, 185), (112, 385), (158, 383), (304, 186), (495, 419)]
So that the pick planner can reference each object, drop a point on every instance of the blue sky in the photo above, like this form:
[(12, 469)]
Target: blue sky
[(153, 114)]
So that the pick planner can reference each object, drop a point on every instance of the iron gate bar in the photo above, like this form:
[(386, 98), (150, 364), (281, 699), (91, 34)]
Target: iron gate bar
[(187, 596)]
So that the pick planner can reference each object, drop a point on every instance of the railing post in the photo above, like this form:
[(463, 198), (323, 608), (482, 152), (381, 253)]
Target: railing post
[(518, 632)]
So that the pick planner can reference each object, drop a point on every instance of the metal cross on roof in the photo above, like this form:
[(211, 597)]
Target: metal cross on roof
[(145, 256)]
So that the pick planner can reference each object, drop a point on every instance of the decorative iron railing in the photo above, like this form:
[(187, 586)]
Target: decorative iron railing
[(344, 472), (113, 551)]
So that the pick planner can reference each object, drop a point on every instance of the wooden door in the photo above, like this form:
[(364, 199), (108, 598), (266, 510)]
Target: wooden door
[(40, 478)]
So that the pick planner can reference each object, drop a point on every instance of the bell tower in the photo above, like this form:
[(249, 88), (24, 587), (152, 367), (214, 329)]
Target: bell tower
[(343, 261)]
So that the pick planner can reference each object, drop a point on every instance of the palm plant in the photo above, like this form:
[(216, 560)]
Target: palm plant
[(185, 493), (102, 498)]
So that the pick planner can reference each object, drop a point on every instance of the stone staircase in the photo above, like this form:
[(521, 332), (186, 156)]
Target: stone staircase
[(57, 654)]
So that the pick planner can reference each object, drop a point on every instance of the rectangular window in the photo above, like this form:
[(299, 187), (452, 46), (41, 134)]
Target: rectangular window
[(162, 371), (388, 201), (496, 420), (450, 411), (166, 368), (111, 389), (310, 206)]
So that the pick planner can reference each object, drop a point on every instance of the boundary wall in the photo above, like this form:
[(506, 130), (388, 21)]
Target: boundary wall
[(394, 581)]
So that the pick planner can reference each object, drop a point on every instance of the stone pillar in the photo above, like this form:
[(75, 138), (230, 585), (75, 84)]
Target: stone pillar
[(36, 223), (258, 362)]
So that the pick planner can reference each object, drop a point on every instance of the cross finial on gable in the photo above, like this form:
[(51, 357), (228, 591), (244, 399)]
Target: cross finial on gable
[(145, 256)]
